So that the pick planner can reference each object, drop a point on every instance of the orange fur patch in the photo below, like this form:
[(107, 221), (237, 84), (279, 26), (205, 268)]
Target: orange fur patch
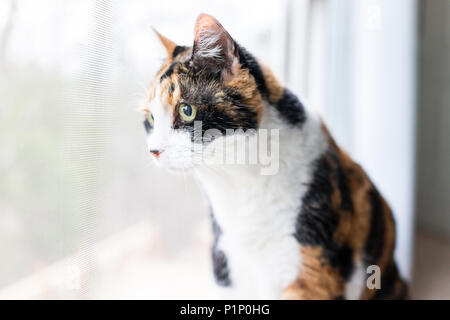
[(274, 86), (244, 82), (316, 278)]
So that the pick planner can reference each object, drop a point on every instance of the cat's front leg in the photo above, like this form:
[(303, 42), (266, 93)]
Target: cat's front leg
[(316, 280)]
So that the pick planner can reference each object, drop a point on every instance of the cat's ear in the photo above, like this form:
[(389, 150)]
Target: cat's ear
[(214, 49), (168, 44)]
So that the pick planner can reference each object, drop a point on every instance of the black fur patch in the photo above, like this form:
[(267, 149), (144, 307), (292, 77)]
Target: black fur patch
[(344, 190), (178, 50), (375, 240), (343, 260), (317, 221), (168, 72), (171, 88), (247, 61), (220, 266), (290, 108)]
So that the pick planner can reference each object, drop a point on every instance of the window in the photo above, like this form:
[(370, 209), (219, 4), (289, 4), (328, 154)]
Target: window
[(83, 212)]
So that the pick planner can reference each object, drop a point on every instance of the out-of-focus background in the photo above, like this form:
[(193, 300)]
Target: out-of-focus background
[(85, 214)]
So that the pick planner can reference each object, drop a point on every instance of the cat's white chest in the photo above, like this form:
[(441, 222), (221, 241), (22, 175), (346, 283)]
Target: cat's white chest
[(258, 226)]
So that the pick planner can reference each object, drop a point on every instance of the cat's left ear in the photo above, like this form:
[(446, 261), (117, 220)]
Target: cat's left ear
[(168, 44), (214, 49)]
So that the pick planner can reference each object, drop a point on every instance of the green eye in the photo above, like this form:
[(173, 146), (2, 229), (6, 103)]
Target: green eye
[(187, 112), (150, 118)]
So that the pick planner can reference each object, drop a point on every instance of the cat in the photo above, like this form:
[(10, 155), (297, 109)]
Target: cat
[(309, 230)]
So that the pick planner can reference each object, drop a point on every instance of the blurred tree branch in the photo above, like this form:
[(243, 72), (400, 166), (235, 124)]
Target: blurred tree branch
[(6, 33)]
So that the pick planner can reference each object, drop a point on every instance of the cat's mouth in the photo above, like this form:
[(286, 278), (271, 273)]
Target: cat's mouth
[(175, 164), (177, 169)]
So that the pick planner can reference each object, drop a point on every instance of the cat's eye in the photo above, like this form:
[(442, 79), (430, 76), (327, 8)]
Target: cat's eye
[(150, 118), (187, 112)]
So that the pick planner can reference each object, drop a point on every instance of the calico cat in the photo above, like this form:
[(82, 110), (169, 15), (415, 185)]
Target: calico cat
[(308, 231)]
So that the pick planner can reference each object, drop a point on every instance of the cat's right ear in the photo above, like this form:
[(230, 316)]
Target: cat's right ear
[(169, 45)]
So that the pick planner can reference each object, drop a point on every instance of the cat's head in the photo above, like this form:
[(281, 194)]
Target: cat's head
[(199, 92)]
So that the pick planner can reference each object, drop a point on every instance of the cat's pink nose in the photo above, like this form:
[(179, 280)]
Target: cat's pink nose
[(155, 152)]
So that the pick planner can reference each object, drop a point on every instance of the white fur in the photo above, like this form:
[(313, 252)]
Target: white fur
[(208, 45), (356, 285), (174, 145)]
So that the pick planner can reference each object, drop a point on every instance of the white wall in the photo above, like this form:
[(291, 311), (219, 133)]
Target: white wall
[(433, 170)]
